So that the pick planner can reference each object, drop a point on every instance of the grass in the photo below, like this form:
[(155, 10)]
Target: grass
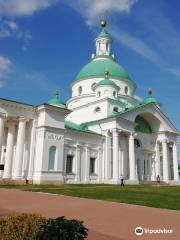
[(153, 196)]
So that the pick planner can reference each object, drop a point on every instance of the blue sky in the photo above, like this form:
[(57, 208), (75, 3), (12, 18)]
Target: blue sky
[(44, 43)]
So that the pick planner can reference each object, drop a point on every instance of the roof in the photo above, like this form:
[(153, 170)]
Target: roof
[(56, 101), (151, 99), (77, 127), (9, 100), (97, 66), (103, 33), (106, 82), (116, 115)]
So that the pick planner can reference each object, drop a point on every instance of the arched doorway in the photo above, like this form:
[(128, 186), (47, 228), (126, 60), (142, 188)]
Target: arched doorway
[(143, 148)]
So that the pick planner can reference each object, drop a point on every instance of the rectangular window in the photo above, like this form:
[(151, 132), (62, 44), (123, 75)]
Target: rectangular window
[(69, 164), (92, 165)]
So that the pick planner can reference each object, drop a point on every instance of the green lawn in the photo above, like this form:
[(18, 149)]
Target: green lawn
[(153, 196)]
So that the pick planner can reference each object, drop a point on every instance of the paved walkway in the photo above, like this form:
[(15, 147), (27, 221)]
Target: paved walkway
[(105, 220)]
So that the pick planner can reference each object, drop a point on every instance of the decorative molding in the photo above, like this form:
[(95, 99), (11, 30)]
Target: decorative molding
[(54, 136)]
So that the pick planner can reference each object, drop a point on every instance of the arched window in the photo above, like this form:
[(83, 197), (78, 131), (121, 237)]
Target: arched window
[(142, 125), (80, 90), (126, 89), (52, 158), (115, 109), (97, 109)]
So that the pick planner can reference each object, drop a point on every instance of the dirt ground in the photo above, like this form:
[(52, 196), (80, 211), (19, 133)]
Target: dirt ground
[(105, 220)]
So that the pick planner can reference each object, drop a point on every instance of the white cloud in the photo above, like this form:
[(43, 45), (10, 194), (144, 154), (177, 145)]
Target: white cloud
[(18, 8), (5, 65), (9, 28), (174, 70), (136, 45), (93, 9)]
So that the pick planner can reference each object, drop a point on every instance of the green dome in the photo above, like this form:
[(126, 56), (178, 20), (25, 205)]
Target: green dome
[(103, 33), (97, 67), (151, 99), (106, 82), (56, 101)]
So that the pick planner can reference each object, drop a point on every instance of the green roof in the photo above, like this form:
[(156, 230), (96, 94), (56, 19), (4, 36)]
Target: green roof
[(56, 101), (77, 127), (150, 99), (106, 82), (97, 67), (103, 33)]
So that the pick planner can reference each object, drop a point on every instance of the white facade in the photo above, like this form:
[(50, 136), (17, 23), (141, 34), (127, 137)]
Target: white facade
[(102, 134)]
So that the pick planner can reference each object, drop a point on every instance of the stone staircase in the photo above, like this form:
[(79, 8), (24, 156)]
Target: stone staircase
[(153, 183)]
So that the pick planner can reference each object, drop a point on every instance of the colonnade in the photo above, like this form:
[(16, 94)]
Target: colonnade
[(166, 160), (116, 157), (12, 154)]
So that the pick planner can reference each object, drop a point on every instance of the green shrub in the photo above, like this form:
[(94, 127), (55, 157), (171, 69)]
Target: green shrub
[(20, 227), (63, 229)]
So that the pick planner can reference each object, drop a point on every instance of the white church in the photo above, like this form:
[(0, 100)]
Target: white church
[(101, 134)]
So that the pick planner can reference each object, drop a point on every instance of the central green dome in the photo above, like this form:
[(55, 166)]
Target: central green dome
[(97, 67)]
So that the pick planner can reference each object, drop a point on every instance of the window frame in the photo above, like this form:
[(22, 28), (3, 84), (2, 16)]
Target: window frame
[(69, 169), (92, 166)]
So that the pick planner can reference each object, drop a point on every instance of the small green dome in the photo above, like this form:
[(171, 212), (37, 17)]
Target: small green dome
[(103, 33), (151, 99), (56, 101), (97, 67), (106, 82)]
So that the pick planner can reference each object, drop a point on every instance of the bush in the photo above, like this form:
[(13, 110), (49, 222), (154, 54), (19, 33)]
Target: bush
[(20, 227), (63, 229)]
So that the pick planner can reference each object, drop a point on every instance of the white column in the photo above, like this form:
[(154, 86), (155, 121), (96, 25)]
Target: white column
[(19, 148), (175, 162), (87, 156), (99, 163), (78, 163), (132, 164), (2, 117), (115, 155), (165, 160), (108, 156), (32, 151), (153, 170), (9, 151), (157, 160)]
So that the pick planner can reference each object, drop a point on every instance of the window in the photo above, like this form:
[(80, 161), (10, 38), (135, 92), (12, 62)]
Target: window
[(115, 109), (98, 94), (69, 164), (98, 109), (126, 90), (80, 90), (92, 165), (52, 156), (106, 47), (114, 94), (92, 86), (137, 143)]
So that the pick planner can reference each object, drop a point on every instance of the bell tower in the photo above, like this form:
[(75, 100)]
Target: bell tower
[(103, 41)]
